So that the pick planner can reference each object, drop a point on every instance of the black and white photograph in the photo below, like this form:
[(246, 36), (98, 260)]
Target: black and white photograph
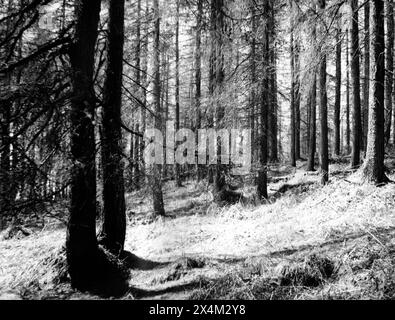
[(197, 150)]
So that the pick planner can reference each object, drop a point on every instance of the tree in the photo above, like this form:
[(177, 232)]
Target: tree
[(114, 211), (178, 169), (373, 169), (198, 75), (82, 247), (156, 174), (264, 104), (355, 78), (313, 108), (338, 89), (389, 82), (324, 152), (365, 91)]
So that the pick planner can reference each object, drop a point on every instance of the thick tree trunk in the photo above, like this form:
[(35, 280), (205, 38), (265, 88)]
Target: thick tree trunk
[(374, 169), (156, 172), (356, 94), (389, 82), (82, 248), (114, 224)]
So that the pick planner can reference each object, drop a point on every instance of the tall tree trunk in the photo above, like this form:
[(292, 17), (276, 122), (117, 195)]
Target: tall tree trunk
[(198, 78), (356, 89), (253, 74), (178, 169), (156, 174), (324, 152), (139, 89), (273, 109), (82, 248), (264, 105), (348, 108), (338, 90), (366, 81), (374, 169), (219, 78), (293, 91), (114, 225), (313, 109), (389, 82)]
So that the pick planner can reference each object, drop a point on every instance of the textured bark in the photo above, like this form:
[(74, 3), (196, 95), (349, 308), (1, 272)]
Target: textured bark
[(348, 109), (273, 108), (198, 78), (264, 106), (356, 89), (114, 225), (156, 171), (178, 169), (366, 92), (293, 95), (313, 111), (82, 248), (374, 169), (324, 152), (217, 10), (389, 82), (338, 90)]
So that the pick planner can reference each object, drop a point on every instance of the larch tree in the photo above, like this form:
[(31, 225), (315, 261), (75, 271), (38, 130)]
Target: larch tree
[(114, 224), (156, 170), (81, 244), (366, 62), (373, 169), (178, 168), (313, 105), (389, 73), (356, 87), (338, 90), (324, 144), (264, 103)]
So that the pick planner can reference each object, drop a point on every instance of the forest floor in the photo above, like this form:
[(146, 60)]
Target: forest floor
[(307, 242)]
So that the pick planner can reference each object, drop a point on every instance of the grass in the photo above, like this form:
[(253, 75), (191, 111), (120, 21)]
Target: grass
[(249, 252)]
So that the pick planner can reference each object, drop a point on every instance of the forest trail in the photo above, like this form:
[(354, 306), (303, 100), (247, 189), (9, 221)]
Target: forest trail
[(241, 250)]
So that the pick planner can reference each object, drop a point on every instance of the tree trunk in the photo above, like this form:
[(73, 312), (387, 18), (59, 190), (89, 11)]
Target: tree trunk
[(265, 103), (313, 109), (324, 152), (156, 174), (114, 224), (365, 112), (389, 82), (198, 78), (374, 169), (348, 109), (82, 248), (178, 169), (293, 94), (338, 90), (356, 97)]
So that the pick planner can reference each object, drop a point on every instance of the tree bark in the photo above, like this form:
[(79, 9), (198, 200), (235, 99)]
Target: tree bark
[(389, 82), (178, 169), (366, 93), (356, 94), (374, 169), (81, 243), (156, 174), (338, 90), (324, 152)]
